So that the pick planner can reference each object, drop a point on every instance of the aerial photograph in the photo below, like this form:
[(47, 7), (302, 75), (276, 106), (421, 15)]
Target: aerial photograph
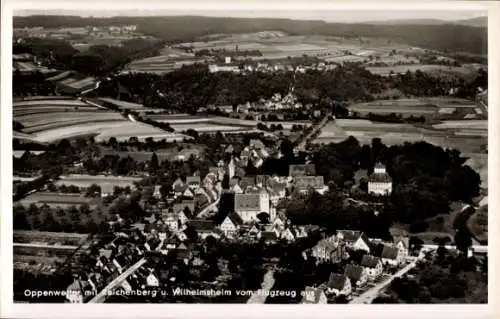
[(273, 157)]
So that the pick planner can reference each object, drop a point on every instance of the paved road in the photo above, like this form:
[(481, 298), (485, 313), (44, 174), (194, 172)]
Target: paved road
[(319, 126), (205, 211), (267, 284), (101, 296), (368, 296)]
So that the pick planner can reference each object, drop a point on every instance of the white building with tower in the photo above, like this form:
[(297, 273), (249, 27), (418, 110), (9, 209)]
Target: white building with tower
[(380, 182)]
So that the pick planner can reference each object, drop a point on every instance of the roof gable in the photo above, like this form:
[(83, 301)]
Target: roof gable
[(337, 281), (370, 261)]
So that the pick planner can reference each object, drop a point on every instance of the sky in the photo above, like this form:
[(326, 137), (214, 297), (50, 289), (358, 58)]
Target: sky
[(326, 15)]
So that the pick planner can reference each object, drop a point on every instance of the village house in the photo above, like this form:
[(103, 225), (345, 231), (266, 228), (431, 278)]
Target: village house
[(296, 170), (304, 183), (327, 251), (288, 234), (379, 183), (355, 240), (373, 266), (204, 228), (339, 284), (314, 296), (403, 244), (152, 280), (248, 206), (193, 182), (356, 274), (268, 236), (231, 224), (391, 256)]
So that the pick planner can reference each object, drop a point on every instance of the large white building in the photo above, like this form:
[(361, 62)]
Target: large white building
[(248, 206), (380, 182)]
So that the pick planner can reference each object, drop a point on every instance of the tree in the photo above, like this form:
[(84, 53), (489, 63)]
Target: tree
[(263, 217), (463, 239), (153, 164), (93, 190)]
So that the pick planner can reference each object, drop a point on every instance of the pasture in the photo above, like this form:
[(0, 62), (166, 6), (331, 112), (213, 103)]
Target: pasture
[(451, 135), (50, 120), (405, 107), (123, 105), (51, 238)]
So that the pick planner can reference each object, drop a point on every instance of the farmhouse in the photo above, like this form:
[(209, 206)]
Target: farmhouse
[(248, 206), (356, 274), (231, 224), (355, 240), (339, 284), (391, 255), (314, 296), (304, 183), (372, 265), (327, 251), (380, 182), (296, 170)]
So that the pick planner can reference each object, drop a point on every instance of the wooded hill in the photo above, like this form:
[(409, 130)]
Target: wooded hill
[(445, 37)]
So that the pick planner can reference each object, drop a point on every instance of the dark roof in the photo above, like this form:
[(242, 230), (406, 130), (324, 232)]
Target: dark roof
[(380, 178), (193, 179), (200, 225), (312, 295), (301, 170), (246, 202), (269, 235), (337, 281), (235, 219), (350, 236), (180, 188), (390, 252), (309, 181), (262, 179), (178, 207), (353, 271), (247, 181), (370, 261)]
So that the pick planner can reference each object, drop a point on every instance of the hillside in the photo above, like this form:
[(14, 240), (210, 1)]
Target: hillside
[(443, 37), (481, 22)]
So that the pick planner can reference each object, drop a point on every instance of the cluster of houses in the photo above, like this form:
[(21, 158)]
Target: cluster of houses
[(376, 256), (111, 261)]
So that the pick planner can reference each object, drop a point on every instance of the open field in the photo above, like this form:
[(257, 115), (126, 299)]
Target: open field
[(182, 122), (51, 120), (276, 45), (105, 181), (428, 68), (449, 136), (471, 125), (123, 105), (58, 200), (405, 107), (51, 238)]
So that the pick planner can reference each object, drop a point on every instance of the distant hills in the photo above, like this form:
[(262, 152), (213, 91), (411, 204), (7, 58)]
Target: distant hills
[(461, 36), (481, 22)]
